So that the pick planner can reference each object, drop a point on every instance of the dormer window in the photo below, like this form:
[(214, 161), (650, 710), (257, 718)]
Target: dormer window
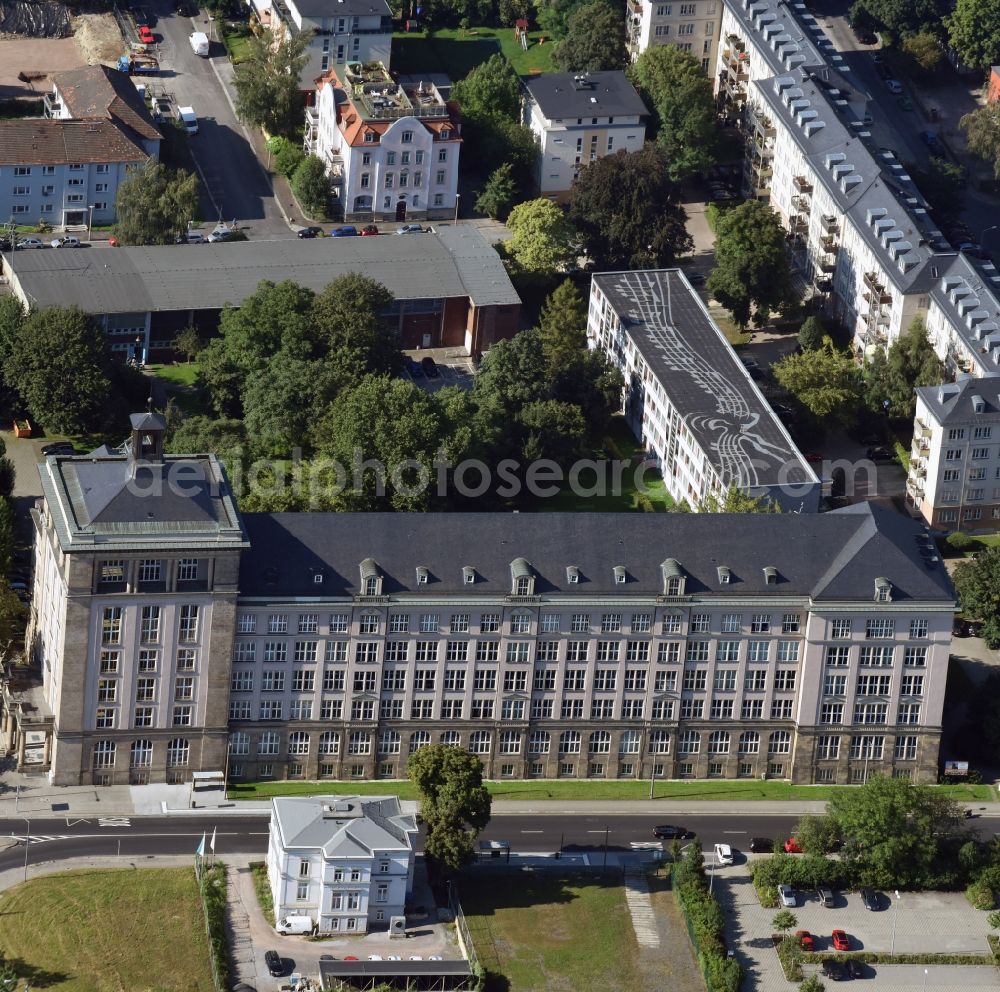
[(445, 134), (318, 579), (619, 575), (883, 590), (770, 575), (469, 575), (572, 575), (673, 577), (369, 137), (421, 575), (371, 578), (724, 575), (522, 578)]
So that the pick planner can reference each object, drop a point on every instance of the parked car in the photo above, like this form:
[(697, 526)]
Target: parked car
[(879, 454), (825, 897), (274, 963), (834, 970), (786, 895), (871, 900), (840, 941), (411, 366), (146, 36), (791, 845), (864, 35), (430, 367), (970, 248), (762, 845), (410, 229), (881, 68), (58, 448), (750, 363), (855, 969), (191, 238), (69, 241), (344, 231), (894, 86), (31, 243), (696, 278), (667, 831), (310, 232), (961, 628), (723, 854), (805, 940), (220, 234), (369, 230)]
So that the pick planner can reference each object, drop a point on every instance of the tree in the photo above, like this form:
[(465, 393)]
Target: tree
[(911, 361), (12, 316), (155, 205), (752, 272), (554, 15), (925, 49), (680, 95), (562, 328), (497, 195), (784, 921), (286, 155), (811, 334), (493, 87), (512, 375), (737, 501), (7, 472), (554, 430), (982, 134), (6, 541), (66, 346), (826, 381), (311, 186), (542, 241), (904, 17), (267, 81), (816, 834), (349, 317), (188, 343), (225, 438), (595, 39), (943, 183), (454, 802), (977, 583), (974, 32), (894, 829), (627, 212)]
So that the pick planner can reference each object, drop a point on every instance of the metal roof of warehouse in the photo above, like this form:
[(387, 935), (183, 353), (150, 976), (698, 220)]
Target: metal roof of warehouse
[(207, 277)]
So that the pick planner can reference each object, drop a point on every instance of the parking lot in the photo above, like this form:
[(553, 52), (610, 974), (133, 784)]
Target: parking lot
[(452, 368), (924, 922)]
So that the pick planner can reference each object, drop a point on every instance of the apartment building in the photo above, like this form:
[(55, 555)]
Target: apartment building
[(391, 148), (341, 31), (692, 26), (345, 861), (578, 118), (688, 398), (812, 647), (65, 168), (954, 476)]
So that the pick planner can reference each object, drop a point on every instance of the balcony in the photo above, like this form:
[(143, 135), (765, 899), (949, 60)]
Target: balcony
[(829, 243), (52, 105), (830, 225), (828, 262), (802, 184), (922, 429), (920, 472), (798, 224), (802, 202)]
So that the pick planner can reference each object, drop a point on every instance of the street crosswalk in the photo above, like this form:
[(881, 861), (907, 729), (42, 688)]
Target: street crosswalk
[(40, 838)]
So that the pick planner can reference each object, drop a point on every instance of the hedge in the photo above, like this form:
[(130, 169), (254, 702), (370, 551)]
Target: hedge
[(213, 901), (801, 871), (981, 895)]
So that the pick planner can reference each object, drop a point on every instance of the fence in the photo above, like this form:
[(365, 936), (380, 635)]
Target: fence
[(462, 926), (212, 887)]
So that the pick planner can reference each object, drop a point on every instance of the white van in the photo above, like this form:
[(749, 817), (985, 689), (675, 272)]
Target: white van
[(199, 44), (187, 117), (295, 924)]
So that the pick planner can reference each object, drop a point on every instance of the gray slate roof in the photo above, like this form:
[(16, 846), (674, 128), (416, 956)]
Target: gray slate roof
[(318, 9), (178, 277), (49, 141), (100, 91), (829, 556), (597, 94), (344, 826), (705, 380), (952, 403)]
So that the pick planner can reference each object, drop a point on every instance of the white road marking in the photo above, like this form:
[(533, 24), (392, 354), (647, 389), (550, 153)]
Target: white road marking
[(114, 821)]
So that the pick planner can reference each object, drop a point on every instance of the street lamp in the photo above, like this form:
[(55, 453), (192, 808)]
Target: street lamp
[(925, 978), (27, 841), (90, 221), (895, 914), (458, 196)]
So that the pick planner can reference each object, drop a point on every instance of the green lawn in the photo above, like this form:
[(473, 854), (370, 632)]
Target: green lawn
[(456, 53), (180, 374), (542, 931), (106, 931), (566, 789), (237, 42)]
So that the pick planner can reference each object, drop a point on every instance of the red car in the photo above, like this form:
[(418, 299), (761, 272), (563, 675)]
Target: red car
[(840, 941), (805, 939), (791, 846), (369, 230), (146, 35)]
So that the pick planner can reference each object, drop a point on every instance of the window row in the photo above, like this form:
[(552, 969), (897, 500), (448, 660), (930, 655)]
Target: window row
[(867, 746), (149, 624), (140, 753), (877, 656)]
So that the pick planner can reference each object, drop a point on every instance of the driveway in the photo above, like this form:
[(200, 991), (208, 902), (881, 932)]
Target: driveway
[(236, 185), (454, 369)]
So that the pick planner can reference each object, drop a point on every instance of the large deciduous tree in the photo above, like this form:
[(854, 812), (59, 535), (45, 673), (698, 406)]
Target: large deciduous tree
[(752, 274), (542, 241), (974, 32), (675, 88), (978, 586), (155, 204), (825, 380), (493, 87), (627, 211), (267, 82), (595, 39), (497, 196), (60, 364), (454, 802), (554, 15), (982, 134), (893, 830), (925, 49), (891, 378), (903, 17), (311, 186)]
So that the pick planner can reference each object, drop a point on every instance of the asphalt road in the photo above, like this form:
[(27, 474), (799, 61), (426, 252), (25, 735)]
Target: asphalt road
[(58, 838), (235, 185)]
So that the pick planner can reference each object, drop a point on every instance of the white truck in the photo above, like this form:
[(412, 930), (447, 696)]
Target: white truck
[(295, 924), (199, 44), (186, 116)]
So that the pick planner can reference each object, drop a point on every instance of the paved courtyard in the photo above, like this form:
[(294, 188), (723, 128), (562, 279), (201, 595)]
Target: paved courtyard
[(924, 922)]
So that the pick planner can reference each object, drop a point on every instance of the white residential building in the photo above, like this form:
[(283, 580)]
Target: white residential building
[(578, 118), (688, 398), (341, 30), (692, 26), (344, 861), (391, 148)]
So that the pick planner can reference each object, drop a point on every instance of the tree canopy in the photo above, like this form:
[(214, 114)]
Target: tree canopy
[(903, 17), (542, 241), (492, 87), (925, 49), (627, 212), (752, 274), (826, 381), (154, 205), (977, 583), (454, 802), (982, 134), (811, 334), (267, 81), (311, 186), (910, 362), (737, 501), (496, 197), (678, 92), (595, 39), (974, 32)]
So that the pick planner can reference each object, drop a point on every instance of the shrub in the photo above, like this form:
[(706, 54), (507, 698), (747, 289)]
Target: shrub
[(960, 542), (286, 155), (645, 503), (803, 872), (790, 956), (213, 900), (981, 895), (311, 187), (767, 894)]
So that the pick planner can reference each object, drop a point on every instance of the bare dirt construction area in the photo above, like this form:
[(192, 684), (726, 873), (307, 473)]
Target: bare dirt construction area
[(99, 38)]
